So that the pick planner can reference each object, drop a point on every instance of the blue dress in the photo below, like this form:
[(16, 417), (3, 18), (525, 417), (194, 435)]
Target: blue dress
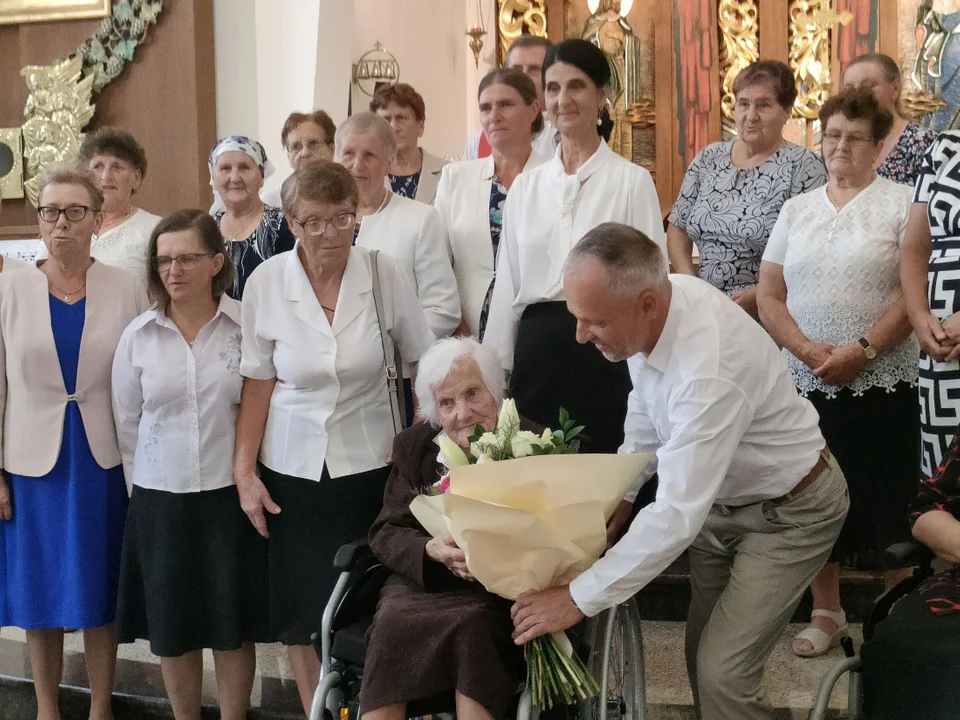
[(60, 554)]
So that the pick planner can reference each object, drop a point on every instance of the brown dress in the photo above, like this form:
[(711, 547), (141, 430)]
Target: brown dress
[(433, 632)]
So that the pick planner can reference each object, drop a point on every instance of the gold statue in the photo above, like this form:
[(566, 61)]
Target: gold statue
[(811, 24), (608, 29), (57, 110)]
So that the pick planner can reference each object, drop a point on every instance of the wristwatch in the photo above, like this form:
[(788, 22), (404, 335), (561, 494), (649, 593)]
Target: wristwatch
[(869, 351)]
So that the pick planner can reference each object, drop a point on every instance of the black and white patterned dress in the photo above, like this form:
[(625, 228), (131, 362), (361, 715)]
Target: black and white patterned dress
[(271, 237), (729, 212), (938, 185)]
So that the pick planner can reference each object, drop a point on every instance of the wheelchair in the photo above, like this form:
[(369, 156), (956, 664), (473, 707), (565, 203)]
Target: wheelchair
[(611, 644), (902, 555)]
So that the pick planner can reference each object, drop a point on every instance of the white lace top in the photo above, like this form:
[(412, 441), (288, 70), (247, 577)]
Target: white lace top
[(841, 269), (125, 245)]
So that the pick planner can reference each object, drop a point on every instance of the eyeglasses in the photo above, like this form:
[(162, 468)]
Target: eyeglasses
[(51, 214), (311, 145), (187, 261), (340, 221), (834, 138)]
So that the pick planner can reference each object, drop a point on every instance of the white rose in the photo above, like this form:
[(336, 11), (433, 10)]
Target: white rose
[(523, 443), (486, 444)]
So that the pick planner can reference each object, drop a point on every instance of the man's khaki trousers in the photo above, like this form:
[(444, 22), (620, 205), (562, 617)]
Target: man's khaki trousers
[(749, 567)]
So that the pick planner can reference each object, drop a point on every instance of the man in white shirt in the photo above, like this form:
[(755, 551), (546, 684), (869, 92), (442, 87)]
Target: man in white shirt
[(526, 53), (746, 481)]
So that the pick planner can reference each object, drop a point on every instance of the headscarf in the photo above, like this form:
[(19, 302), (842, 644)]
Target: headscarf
[(240, 143)]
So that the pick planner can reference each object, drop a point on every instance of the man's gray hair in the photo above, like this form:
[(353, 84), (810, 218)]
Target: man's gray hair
[(633, 261), (437, 362), (361, 123)]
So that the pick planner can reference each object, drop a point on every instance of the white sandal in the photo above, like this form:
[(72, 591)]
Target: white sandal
[(821, 641)]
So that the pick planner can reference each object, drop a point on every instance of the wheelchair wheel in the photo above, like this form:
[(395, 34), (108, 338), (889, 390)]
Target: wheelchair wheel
[(616, 660)]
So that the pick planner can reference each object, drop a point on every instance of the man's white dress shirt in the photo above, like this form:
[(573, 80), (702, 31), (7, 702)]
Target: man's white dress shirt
[(175, 406), (330, 404), (413, 234), (548, 212), (716, 401)]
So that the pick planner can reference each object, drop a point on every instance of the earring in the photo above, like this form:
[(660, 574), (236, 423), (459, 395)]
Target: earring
[(599, 117)]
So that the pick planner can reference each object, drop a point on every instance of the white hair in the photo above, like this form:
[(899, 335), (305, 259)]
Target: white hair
[(361, 123), (436, 363)]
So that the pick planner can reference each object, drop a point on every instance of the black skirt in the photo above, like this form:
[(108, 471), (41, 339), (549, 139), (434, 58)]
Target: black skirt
[(193, 573), (876, 440), (315, 520), (552, 370)]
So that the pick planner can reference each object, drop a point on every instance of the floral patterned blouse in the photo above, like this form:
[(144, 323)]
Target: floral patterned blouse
[(498, 196), (903, 163), (729, 212), (941, 491), (271, 237), (405, 185)]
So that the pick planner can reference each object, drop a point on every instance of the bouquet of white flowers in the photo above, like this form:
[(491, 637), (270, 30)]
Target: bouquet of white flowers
[(530, 514)]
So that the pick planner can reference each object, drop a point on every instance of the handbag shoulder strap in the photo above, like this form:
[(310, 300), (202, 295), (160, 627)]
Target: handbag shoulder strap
[(391, 367)]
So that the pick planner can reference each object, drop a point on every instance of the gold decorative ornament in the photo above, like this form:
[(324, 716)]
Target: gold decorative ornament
[(919, 104), (516, 18), (476, 33), (811, 25), (739, 46), (375, 68), (11, 184), (57, 110), (28, 11)]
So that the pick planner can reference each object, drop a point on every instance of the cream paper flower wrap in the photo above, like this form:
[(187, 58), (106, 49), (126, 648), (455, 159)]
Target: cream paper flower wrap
[(530, 523)]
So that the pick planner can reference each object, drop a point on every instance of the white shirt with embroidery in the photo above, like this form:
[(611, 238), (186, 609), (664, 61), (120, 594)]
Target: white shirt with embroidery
[(842, 271), (125, 245)]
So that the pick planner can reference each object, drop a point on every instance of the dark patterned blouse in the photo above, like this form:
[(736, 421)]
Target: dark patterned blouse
[(903, 163), (271, 237), (498, 196), (405, 185), (941, 492), (729, 212)]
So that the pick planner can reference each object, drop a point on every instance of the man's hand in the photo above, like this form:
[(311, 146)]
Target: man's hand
[(544, 612), (842, 365), (618, 521), (254, 499), (6, 504), (445, 550)]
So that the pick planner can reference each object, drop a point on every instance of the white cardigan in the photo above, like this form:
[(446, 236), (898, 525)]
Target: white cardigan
[(463, 201)]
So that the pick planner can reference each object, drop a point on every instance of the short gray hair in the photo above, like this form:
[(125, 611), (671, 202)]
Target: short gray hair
[(361, 123), (633, 261), (436, 363)]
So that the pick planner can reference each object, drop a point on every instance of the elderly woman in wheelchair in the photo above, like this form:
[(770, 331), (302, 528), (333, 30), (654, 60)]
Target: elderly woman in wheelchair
[(437, 631)]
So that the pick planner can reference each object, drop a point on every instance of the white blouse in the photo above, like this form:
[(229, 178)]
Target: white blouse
[(175, 406), (547, 212), (842, 274), (412, 233), (330, 404), (463, 201), (126, 244)]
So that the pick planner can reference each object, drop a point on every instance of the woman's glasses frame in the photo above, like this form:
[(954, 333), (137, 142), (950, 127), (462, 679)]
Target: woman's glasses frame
[(344, 220), (187, 261)]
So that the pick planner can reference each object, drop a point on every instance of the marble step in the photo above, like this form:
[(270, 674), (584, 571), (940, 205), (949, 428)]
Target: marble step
[(792, 682)]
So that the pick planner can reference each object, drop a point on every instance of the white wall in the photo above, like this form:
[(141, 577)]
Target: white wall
[(273, 58), (427, 37)]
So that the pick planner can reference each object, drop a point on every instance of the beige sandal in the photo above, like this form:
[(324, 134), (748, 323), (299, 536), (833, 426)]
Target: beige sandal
[(821, 641)]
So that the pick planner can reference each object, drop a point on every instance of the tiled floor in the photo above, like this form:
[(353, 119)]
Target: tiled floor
[(792, 682)]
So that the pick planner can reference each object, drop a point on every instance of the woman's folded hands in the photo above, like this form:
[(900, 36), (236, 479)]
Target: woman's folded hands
[(444, 550)]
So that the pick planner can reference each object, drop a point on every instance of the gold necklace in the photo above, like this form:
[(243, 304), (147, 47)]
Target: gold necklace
[(67, 296), (116, 223)]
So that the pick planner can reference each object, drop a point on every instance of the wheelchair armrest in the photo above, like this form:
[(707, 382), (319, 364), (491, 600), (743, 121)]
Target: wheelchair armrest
[(352, 553), (909, 554)]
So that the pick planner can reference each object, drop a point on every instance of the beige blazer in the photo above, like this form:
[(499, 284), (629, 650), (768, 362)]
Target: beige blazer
[(32, 393), (429, 177)]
